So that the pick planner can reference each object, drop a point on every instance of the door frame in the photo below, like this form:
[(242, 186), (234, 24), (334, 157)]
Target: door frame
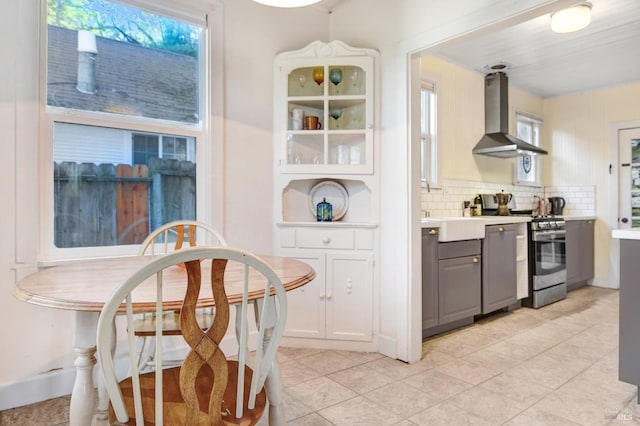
[(614, 243)]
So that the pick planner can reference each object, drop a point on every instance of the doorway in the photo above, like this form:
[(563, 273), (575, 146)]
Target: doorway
[(622, 213), (629, 178)]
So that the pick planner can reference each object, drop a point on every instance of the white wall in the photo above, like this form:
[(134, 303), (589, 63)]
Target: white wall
[(254, 34), (577, 127)]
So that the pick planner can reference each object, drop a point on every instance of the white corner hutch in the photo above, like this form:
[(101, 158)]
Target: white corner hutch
[(338, 309)]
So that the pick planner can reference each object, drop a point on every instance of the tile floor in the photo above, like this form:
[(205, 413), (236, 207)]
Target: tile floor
[(553, 366)]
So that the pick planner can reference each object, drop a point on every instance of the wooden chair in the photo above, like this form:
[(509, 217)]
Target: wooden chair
[(208, 388), (165, 239)]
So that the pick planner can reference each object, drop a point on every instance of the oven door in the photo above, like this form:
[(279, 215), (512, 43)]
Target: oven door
[(549, 253)]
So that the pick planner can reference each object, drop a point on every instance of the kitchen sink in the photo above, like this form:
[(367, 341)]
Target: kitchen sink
[(457, 228)]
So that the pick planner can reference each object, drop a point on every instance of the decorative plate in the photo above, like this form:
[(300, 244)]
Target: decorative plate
[(334, 193)]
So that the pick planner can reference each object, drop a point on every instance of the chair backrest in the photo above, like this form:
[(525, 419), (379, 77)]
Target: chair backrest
[(173, 236), (233, 274)]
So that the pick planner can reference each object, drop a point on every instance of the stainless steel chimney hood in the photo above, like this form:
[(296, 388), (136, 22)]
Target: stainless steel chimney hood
[(497, 142)]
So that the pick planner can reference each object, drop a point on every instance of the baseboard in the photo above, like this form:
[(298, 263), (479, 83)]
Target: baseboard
[(38, 388), (604, 282)]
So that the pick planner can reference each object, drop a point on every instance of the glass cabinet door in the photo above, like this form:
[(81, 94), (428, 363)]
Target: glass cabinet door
[(327, 118)]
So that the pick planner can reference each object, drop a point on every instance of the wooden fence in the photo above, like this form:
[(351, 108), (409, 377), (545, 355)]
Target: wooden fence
[(106, 204)]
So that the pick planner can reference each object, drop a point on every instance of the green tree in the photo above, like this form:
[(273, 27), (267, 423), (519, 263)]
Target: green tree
[(123, 23)]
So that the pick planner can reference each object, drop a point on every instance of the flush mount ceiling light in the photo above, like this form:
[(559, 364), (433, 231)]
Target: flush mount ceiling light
[(287, 3), (571, 19)]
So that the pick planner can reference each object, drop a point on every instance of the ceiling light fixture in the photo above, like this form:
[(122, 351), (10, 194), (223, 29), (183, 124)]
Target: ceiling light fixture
[(287, 3), (571, 19)]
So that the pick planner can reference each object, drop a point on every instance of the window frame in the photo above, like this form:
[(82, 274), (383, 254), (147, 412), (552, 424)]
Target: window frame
[(429, 158), (207, 132), (536, 179)]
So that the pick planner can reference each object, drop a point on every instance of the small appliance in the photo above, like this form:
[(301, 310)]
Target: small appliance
[(557, 205)]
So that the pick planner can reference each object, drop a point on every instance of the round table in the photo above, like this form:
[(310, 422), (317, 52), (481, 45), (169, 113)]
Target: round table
[(84, 286)]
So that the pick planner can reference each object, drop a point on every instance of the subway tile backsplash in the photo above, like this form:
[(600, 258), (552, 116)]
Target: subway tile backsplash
[(448, 200)]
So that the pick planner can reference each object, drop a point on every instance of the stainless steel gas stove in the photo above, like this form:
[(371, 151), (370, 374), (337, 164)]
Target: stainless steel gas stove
[(547, 261)]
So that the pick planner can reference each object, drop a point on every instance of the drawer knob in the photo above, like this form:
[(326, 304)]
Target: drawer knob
[(326, 239), (476, 259), (433, 231), (501, 229)]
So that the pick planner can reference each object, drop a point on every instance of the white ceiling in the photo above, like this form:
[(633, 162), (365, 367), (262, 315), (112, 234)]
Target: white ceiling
[(604, 54)]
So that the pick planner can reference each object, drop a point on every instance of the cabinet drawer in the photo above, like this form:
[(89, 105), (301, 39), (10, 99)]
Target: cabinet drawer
[(459, 249), (325, 238)]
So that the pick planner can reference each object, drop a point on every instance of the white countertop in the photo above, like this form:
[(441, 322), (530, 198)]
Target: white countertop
[(434, 222), (626, 234), (579, 217)]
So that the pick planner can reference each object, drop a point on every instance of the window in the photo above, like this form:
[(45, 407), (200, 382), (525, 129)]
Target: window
[(111, 108), (527, 170), (428, 139), (146, 146)]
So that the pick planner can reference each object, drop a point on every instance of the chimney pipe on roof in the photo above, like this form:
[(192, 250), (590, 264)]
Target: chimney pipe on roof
[(87, 52)]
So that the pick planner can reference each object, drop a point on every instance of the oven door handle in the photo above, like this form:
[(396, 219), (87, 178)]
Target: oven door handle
[(549, 235)]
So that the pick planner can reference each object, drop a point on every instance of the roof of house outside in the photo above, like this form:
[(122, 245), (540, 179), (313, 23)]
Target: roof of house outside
[(130, 79)]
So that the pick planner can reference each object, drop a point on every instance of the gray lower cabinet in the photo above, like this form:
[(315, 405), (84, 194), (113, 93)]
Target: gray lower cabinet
[(458, 288), (499, 263), (451, 282), (629, 338), (579, 252)]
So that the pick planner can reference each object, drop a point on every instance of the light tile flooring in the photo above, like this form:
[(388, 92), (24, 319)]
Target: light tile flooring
[(553, 366)]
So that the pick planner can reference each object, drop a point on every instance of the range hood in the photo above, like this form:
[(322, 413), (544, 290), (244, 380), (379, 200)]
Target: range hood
[(497, 142)]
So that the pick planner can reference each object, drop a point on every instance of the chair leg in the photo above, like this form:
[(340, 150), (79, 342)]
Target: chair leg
[(273, 383), (275, 396)]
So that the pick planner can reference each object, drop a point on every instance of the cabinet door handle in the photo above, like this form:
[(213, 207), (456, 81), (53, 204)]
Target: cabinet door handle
[(433, 231), (476, 259), (501, 229), (321, 296), (326, 239), (328, 296)]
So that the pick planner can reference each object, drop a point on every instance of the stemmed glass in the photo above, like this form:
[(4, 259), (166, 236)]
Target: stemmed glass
[(318, 76), (355, 79), (302, 80), (336, 77), (336, 113)]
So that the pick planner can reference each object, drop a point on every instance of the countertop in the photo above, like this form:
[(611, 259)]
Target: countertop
[(626, 234), (579, 218), (435, 222)]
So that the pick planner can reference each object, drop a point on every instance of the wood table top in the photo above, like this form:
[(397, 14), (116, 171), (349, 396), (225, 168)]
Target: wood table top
[(86, 285)]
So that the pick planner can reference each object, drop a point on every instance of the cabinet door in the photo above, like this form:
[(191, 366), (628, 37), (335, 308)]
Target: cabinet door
[(305, 305), (580, 258), (499, 267), (586, 269), (429, 278), (459, 288), (573, 250), (349, 297)]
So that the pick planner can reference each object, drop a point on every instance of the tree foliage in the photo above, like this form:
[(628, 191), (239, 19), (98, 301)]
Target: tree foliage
[(123, 23)]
